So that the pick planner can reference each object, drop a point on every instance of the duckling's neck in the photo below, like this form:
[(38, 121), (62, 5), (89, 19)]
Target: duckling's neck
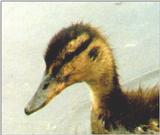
[(105, 90), (107, 97)]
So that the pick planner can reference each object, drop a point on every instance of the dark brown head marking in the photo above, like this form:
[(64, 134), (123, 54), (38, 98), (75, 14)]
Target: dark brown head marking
[(93, 53), (70, 56), (61, 40)]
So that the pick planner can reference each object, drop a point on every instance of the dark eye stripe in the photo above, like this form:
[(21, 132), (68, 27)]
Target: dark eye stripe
[(70, 56)]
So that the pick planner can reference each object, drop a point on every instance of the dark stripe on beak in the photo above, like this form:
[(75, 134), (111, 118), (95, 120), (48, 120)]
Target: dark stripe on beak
[(70, 56)]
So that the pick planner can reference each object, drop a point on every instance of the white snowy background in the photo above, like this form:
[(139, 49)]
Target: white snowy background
[(131, 28)]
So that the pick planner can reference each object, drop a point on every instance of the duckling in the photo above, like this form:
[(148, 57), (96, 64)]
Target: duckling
[(80, 53)]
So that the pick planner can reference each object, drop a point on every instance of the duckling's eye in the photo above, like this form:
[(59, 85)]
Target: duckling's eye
[(45, 85), (65, 78), (93, 53)]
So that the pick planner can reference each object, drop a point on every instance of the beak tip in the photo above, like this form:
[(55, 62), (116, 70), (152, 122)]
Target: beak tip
[(26, 111)]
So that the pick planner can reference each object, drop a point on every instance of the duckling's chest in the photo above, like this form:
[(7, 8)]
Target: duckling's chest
[(97, 125)]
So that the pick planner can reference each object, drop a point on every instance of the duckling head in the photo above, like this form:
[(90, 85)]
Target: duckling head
[(75, 54)]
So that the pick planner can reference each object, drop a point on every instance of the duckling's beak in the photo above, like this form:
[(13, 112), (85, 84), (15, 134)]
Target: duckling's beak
[(48, 89)]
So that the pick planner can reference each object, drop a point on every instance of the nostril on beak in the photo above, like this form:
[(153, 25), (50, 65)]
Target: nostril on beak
[(26, 111)]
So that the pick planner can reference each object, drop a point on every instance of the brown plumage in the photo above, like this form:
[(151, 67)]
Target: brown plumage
[(129, 109), (81, 53)]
